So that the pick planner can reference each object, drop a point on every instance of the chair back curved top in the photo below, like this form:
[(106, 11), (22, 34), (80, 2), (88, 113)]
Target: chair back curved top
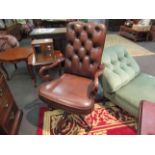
[(8, 41), (85, 42)]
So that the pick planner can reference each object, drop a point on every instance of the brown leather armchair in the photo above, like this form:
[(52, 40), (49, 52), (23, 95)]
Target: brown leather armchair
[(74, 91)]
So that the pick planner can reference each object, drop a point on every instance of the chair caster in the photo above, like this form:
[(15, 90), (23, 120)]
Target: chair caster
[(87, 129)]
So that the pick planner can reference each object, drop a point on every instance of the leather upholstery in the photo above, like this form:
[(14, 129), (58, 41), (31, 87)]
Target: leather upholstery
[(120, 67), (84, 48), (73, 90)]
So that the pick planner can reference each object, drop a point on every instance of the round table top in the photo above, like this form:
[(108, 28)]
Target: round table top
[(40, 59), (15, 54)]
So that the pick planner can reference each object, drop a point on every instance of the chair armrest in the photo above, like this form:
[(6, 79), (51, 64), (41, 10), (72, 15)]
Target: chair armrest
[(43, 69), (95, 83), (97, 75)]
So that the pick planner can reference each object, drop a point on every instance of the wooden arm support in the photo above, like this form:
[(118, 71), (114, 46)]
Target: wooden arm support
[(97, 75), (43, 69), (96, 79)]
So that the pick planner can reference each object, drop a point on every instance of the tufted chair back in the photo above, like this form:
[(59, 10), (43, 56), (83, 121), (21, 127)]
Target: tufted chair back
[(85, 42), (120, 68)]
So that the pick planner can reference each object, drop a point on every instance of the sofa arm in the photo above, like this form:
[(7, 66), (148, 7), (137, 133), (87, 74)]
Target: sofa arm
[(43, 69)]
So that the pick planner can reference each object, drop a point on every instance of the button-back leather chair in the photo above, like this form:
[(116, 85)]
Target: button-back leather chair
[(75, 89)]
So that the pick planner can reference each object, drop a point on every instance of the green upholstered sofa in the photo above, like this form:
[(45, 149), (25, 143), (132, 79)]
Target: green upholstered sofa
[(123, 82)]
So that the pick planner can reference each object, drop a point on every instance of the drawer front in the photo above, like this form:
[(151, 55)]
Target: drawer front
[(5, 99), (11, 118)]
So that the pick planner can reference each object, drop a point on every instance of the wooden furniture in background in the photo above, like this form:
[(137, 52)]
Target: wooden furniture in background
[(57, 34), (35, 62), (14, 55), (153, 32), (13, 28), (136, 35), (10, 114), (147, 118), (114, 24), (46, 23), (54, 22), (42, 48)]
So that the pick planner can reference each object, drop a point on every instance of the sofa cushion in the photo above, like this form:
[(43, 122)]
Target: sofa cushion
[(120, 67), (140, 88)]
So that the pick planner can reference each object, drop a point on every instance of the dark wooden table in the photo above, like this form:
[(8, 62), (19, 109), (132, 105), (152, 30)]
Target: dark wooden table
[(14, 55), (40, 60), (57, 34), (147, 118), (54, 22)]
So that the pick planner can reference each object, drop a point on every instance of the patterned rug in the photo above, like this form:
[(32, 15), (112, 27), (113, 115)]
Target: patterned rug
[(133, 48), (106, 119)]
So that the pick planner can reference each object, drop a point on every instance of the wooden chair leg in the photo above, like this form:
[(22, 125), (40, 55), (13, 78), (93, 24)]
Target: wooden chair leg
[(50, 108), (79, 120), (82, 123), (58, 129)]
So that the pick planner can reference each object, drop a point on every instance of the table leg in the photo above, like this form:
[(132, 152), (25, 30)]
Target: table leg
[(136, 37), (60, 69), (4, 70), (30, 69), (15, 65), (148, 36), (35, 79)]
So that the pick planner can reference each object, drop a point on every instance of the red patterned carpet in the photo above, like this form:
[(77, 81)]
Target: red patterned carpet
[(106, 119)]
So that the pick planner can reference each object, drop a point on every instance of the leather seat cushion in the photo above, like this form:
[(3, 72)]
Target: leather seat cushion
[(70, 92)]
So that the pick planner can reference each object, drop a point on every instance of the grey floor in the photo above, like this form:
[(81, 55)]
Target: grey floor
[(150, 45), (26, 95)]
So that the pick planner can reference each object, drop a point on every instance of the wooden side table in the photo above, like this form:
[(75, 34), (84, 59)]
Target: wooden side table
[(35, 62), (14, 55), (147, 118), (42, 47), (58, 35)]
